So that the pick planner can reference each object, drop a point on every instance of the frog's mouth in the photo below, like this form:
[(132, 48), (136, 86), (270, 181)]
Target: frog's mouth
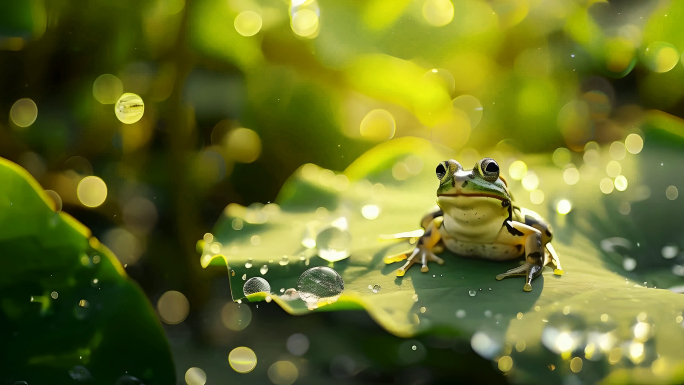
[(484, 195)]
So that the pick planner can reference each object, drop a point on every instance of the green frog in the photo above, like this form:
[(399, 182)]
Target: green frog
[(477, 218)]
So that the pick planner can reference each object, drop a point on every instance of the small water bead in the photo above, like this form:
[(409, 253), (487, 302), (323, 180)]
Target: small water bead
[(423, 309), (256, 285), (242, 359), (248, 264), (564, 333), (264, 269), (290, 294), (129, 108), (472, 293), (54, 295), (320, 283), (376, 288), (284, 261), (282, 289), (244, 277), (414, 347), (334, 243)]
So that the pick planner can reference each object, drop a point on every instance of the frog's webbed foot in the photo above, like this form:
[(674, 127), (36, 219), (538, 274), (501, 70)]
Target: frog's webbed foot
[(528, 270), (419, 254)]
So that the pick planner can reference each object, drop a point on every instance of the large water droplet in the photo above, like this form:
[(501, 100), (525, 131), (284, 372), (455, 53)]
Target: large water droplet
[(264, 269), (256, 285), (564, 333), (320, 283), (334, 243)]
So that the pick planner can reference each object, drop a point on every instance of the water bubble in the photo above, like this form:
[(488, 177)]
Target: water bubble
[(290, 294), (80, 373), (442, 78), (471, 106), (256, 285), (376, 288), (472, 293), (661, 56), (129, 108), (195, 376), (297, 344), (320, 283), (242, 359), (564, 333), (334, 244), (438, 13), (264, 269)]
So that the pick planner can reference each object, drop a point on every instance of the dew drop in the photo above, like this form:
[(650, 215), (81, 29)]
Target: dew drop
[(334, 243), (472, 293), (284, 261), (248, 264), (54, 295), (256, 285), (376, 288), (264, 269), (423, 309), (414, 347), (320, 283), (244, 276)]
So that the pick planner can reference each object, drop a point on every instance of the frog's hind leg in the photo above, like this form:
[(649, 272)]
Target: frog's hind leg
[(535, 257)]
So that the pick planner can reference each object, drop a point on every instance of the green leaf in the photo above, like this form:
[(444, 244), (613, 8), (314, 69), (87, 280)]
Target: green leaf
[(596, 292), (67, 308)]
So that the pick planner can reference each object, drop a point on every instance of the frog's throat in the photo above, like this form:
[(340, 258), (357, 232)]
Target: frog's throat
[(475, 195)]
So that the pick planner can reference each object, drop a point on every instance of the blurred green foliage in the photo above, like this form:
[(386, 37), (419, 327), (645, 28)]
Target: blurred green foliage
[(547, 74)]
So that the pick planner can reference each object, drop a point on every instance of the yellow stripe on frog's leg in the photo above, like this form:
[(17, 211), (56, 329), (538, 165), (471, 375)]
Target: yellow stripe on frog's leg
[(555, 260), (516, 233)]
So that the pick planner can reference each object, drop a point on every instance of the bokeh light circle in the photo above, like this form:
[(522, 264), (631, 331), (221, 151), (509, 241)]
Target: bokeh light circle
[(24, 112), (304, 22), (195, 376), (107, 89), (129, 108), (471, 106), (173, 307), (438, 13), (248, 23), (91, 191), (283, 373), (661, 56), (378, 125), (243, 145), (242, 359), (634, 143)]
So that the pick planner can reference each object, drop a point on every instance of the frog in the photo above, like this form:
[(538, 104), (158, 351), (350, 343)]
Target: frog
[(476, 217)]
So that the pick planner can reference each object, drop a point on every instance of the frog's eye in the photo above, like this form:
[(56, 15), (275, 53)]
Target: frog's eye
[(489, 169), (440, 171)]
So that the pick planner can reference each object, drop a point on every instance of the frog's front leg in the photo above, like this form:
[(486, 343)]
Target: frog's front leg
[(424, 251), (516, 233)]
